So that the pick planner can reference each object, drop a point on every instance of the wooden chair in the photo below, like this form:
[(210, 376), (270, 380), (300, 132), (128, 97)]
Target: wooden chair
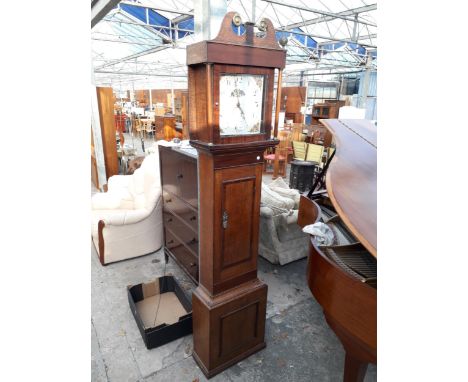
[(299, 150), (279, 158), (297, 134), (314, 153), (138, 126), (148, 127), (284, 134), (316, 138)]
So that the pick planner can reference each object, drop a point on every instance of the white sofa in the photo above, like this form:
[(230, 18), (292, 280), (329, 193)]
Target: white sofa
[(126, 220)]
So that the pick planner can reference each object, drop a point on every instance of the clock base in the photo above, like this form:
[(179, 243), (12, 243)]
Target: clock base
[(228, 327)]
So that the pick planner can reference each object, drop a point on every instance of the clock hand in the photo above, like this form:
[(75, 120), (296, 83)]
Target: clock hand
[(242, 111)]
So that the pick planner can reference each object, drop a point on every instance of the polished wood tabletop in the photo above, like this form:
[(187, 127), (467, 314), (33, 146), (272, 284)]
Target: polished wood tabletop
[(352, 177)]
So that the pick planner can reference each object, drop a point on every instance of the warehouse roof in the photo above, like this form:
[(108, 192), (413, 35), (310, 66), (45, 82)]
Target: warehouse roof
[(142, 43)]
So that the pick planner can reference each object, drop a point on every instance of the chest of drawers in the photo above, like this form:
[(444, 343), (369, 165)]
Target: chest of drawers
[(178, 170)]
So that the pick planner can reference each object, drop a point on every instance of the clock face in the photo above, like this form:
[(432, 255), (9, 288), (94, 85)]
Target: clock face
[(240, 104)]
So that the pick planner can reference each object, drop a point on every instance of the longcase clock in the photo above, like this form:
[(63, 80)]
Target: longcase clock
[(231, 80)]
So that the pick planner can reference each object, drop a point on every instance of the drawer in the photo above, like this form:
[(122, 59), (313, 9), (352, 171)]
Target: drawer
[(173, 240), (181, 210), (179, 227), (186, 260), (179, 176)]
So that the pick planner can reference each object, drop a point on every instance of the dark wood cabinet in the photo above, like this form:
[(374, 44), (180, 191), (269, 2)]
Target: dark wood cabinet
[(181, 111), (180, 207), (142, 96), (105, 99), (293, 100), (325, 137), (326, 110), (159, 125), (236, 222), (295, 117)]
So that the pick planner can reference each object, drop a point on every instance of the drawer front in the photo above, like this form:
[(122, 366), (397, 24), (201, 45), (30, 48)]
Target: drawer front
[(183, 256), (173, 240), (178, 228), (181, 209), (179, 176)]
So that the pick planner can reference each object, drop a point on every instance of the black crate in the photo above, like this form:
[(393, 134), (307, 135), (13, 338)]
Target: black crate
[(164, 299)]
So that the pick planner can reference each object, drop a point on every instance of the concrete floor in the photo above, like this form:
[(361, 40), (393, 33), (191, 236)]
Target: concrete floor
[(300, 345)]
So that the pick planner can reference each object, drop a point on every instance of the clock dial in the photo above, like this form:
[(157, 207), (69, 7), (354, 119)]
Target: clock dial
[(240, 104)]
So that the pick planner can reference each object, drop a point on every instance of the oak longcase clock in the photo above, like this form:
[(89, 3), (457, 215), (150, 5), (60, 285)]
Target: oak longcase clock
[(231, 81)]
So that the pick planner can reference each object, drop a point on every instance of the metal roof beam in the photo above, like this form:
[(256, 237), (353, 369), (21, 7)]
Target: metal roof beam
[(131, 57), (179, 19), (124, 42), (319, 20), (366, 37), (139, 23), (141, 74), (100, 8), (325, 13)]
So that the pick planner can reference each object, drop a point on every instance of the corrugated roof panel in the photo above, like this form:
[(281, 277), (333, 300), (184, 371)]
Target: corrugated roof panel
[(298, 37), (311, 43), (138, 12), (187, 24), (157, 19)]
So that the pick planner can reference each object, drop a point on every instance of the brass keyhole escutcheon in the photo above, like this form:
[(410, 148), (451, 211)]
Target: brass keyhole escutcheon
[(225, 219)]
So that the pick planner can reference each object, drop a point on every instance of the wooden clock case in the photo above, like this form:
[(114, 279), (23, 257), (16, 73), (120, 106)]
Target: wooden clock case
[(229, 305)]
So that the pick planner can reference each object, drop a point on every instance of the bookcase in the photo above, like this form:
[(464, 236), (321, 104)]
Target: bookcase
[(326, 110)]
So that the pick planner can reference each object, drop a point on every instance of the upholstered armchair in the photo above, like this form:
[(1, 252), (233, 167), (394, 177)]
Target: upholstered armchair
[(281, 239), (127, 219)]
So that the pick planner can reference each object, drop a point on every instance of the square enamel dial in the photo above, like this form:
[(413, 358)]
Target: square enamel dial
[(240, 104)]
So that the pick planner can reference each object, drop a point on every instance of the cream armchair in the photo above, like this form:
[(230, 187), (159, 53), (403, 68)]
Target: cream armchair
[(127, 219), (281, 240)]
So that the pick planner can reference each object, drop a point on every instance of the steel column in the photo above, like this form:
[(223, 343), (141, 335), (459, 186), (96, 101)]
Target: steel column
[(208, 17), (365, 87)]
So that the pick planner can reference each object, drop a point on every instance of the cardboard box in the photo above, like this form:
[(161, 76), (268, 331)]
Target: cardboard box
[(161, 309)]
